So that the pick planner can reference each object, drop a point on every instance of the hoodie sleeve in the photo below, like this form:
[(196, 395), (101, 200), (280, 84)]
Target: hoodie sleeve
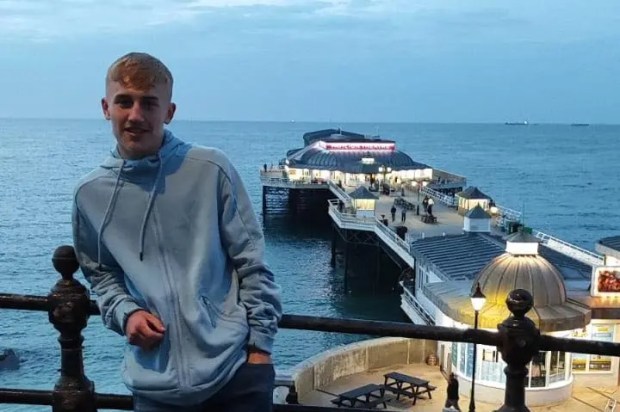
[(106, 279), (243, 239)]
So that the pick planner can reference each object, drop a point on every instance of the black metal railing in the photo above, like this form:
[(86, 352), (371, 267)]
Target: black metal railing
[(68, 306)]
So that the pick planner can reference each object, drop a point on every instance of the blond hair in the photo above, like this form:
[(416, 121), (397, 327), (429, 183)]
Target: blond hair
[(139, 71)]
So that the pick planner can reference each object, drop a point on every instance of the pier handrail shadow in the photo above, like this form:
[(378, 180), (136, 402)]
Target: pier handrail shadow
[(69, 306)]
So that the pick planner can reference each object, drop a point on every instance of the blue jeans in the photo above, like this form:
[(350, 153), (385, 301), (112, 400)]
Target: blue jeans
[(250, 390)]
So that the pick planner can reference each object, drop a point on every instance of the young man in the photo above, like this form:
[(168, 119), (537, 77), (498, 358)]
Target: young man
[(165, 234)]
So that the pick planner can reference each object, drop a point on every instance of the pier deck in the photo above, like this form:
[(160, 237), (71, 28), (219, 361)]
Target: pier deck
[(449, 222), (584, 398)]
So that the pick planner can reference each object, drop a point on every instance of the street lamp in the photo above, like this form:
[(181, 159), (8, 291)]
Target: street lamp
[(477, 301)]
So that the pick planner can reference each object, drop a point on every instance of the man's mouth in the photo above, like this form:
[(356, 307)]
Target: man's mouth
[(135, 130)]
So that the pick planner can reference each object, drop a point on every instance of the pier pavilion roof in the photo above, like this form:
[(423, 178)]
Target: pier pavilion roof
[(612, 242), (609, 246), (472, 192), (335, 149), (317, 156), (363, 193), (332, 134), (461, 257), (477, 213), (552, 310)]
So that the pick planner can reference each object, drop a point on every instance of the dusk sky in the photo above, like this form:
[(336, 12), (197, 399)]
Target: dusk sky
[(323, 60)]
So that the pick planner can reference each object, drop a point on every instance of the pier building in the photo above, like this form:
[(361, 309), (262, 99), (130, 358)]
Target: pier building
[(465, 239)]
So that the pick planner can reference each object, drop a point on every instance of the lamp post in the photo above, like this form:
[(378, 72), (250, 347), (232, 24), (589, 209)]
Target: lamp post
[(477, 301), (385, 170)]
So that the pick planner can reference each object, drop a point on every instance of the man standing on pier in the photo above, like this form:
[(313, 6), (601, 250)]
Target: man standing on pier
[(166, 236)]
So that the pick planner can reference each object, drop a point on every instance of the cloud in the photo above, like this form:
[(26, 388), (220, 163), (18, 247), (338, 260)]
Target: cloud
[(453, 21), (48, 20)]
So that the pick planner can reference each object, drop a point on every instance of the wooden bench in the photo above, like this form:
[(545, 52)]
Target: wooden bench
[(367, 396), (428, 219), (406, 385), (371, 404)]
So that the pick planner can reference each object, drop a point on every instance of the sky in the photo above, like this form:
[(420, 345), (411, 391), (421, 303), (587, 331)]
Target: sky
[(552, 61)]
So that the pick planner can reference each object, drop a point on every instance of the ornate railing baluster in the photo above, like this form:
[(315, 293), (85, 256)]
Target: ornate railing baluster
[(68, 312)]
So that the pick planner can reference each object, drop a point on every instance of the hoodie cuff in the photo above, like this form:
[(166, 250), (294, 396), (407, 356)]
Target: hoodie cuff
[(123, 311), (261, 341)]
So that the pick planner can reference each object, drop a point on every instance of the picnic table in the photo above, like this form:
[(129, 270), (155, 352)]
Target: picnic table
[(367, 396), (406, 385)]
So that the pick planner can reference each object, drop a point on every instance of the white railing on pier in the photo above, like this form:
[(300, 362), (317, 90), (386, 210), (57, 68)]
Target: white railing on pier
[(442, 197), (582, 255), (286, 182), (507, 214), (391, 238), (413, 303), (338, 191), (349, 220)]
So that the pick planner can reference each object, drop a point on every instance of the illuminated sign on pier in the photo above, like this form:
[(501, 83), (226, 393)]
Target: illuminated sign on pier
[(358, 146)]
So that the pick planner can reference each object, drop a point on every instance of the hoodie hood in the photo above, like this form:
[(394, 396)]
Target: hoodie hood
[(141, 171)]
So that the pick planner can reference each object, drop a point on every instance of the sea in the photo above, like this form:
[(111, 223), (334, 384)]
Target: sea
[(564, 179)]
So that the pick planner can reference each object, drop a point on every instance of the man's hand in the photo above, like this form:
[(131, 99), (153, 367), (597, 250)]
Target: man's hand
[(144, 329), (258, 356)]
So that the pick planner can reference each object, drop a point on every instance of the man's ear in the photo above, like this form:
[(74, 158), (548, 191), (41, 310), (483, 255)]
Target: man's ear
[(170, 113), (105, 108)]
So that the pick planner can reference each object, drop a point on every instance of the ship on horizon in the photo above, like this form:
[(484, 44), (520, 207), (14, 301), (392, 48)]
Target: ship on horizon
[(523, 123)]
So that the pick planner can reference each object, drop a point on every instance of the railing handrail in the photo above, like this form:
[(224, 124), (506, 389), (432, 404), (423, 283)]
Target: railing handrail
[(338, 190), (545, 238), (392, 235), (377, 225), (68, 307), (360, 326), (509, 214), (411, 299), (443, 198), (289, 182)]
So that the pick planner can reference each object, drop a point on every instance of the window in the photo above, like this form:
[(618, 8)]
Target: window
[(557, 367), (538, 371), (491, 366), (593, 363)]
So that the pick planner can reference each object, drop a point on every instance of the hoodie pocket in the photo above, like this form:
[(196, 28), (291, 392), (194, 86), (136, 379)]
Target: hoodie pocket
[(236, 314), (211, 313)]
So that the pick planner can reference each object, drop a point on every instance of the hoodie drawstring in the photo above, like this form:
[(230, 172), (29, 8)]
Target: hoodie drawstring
[(149, 206), (108, 209)]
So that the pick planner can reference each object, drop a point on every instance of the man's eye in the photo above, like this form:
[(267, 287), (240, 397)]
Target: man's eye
[(125, 104)]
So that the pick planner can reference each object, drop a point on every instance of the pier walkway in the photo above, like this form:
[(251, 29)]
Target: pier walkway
[(449, 222)]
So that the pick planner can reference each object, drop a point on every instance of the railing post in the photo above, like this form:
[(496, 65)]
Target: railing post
[(518, 342), (68, 312)]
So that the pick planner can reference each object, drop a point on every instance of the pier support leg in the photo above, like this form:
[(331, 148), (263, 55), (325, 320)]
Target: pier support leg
[(378, 270), (346, 266), (334, 240)]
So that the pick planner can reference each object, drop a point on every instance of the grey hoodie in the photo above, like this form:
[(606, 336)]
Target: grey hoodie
[(175, 234)]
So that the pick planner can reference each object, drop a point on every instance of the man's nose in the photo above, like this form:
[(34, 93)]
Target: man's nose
[(136, 113)]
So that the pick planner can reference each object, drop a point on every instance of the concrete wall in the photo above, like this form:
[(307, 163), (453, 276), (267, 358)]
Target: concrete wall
[(323, 369), (533, 397)]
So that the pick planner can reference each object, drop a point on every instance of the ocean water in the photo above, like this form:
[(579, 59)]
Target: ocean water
[(565, 179)]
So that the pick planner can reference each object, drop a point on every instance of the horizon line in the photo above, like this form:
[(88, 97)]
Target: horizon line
[(322, 121)]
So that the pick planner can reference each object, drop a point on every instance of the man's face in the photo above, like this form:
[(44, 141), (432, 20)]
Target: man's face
[(138, 117)]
